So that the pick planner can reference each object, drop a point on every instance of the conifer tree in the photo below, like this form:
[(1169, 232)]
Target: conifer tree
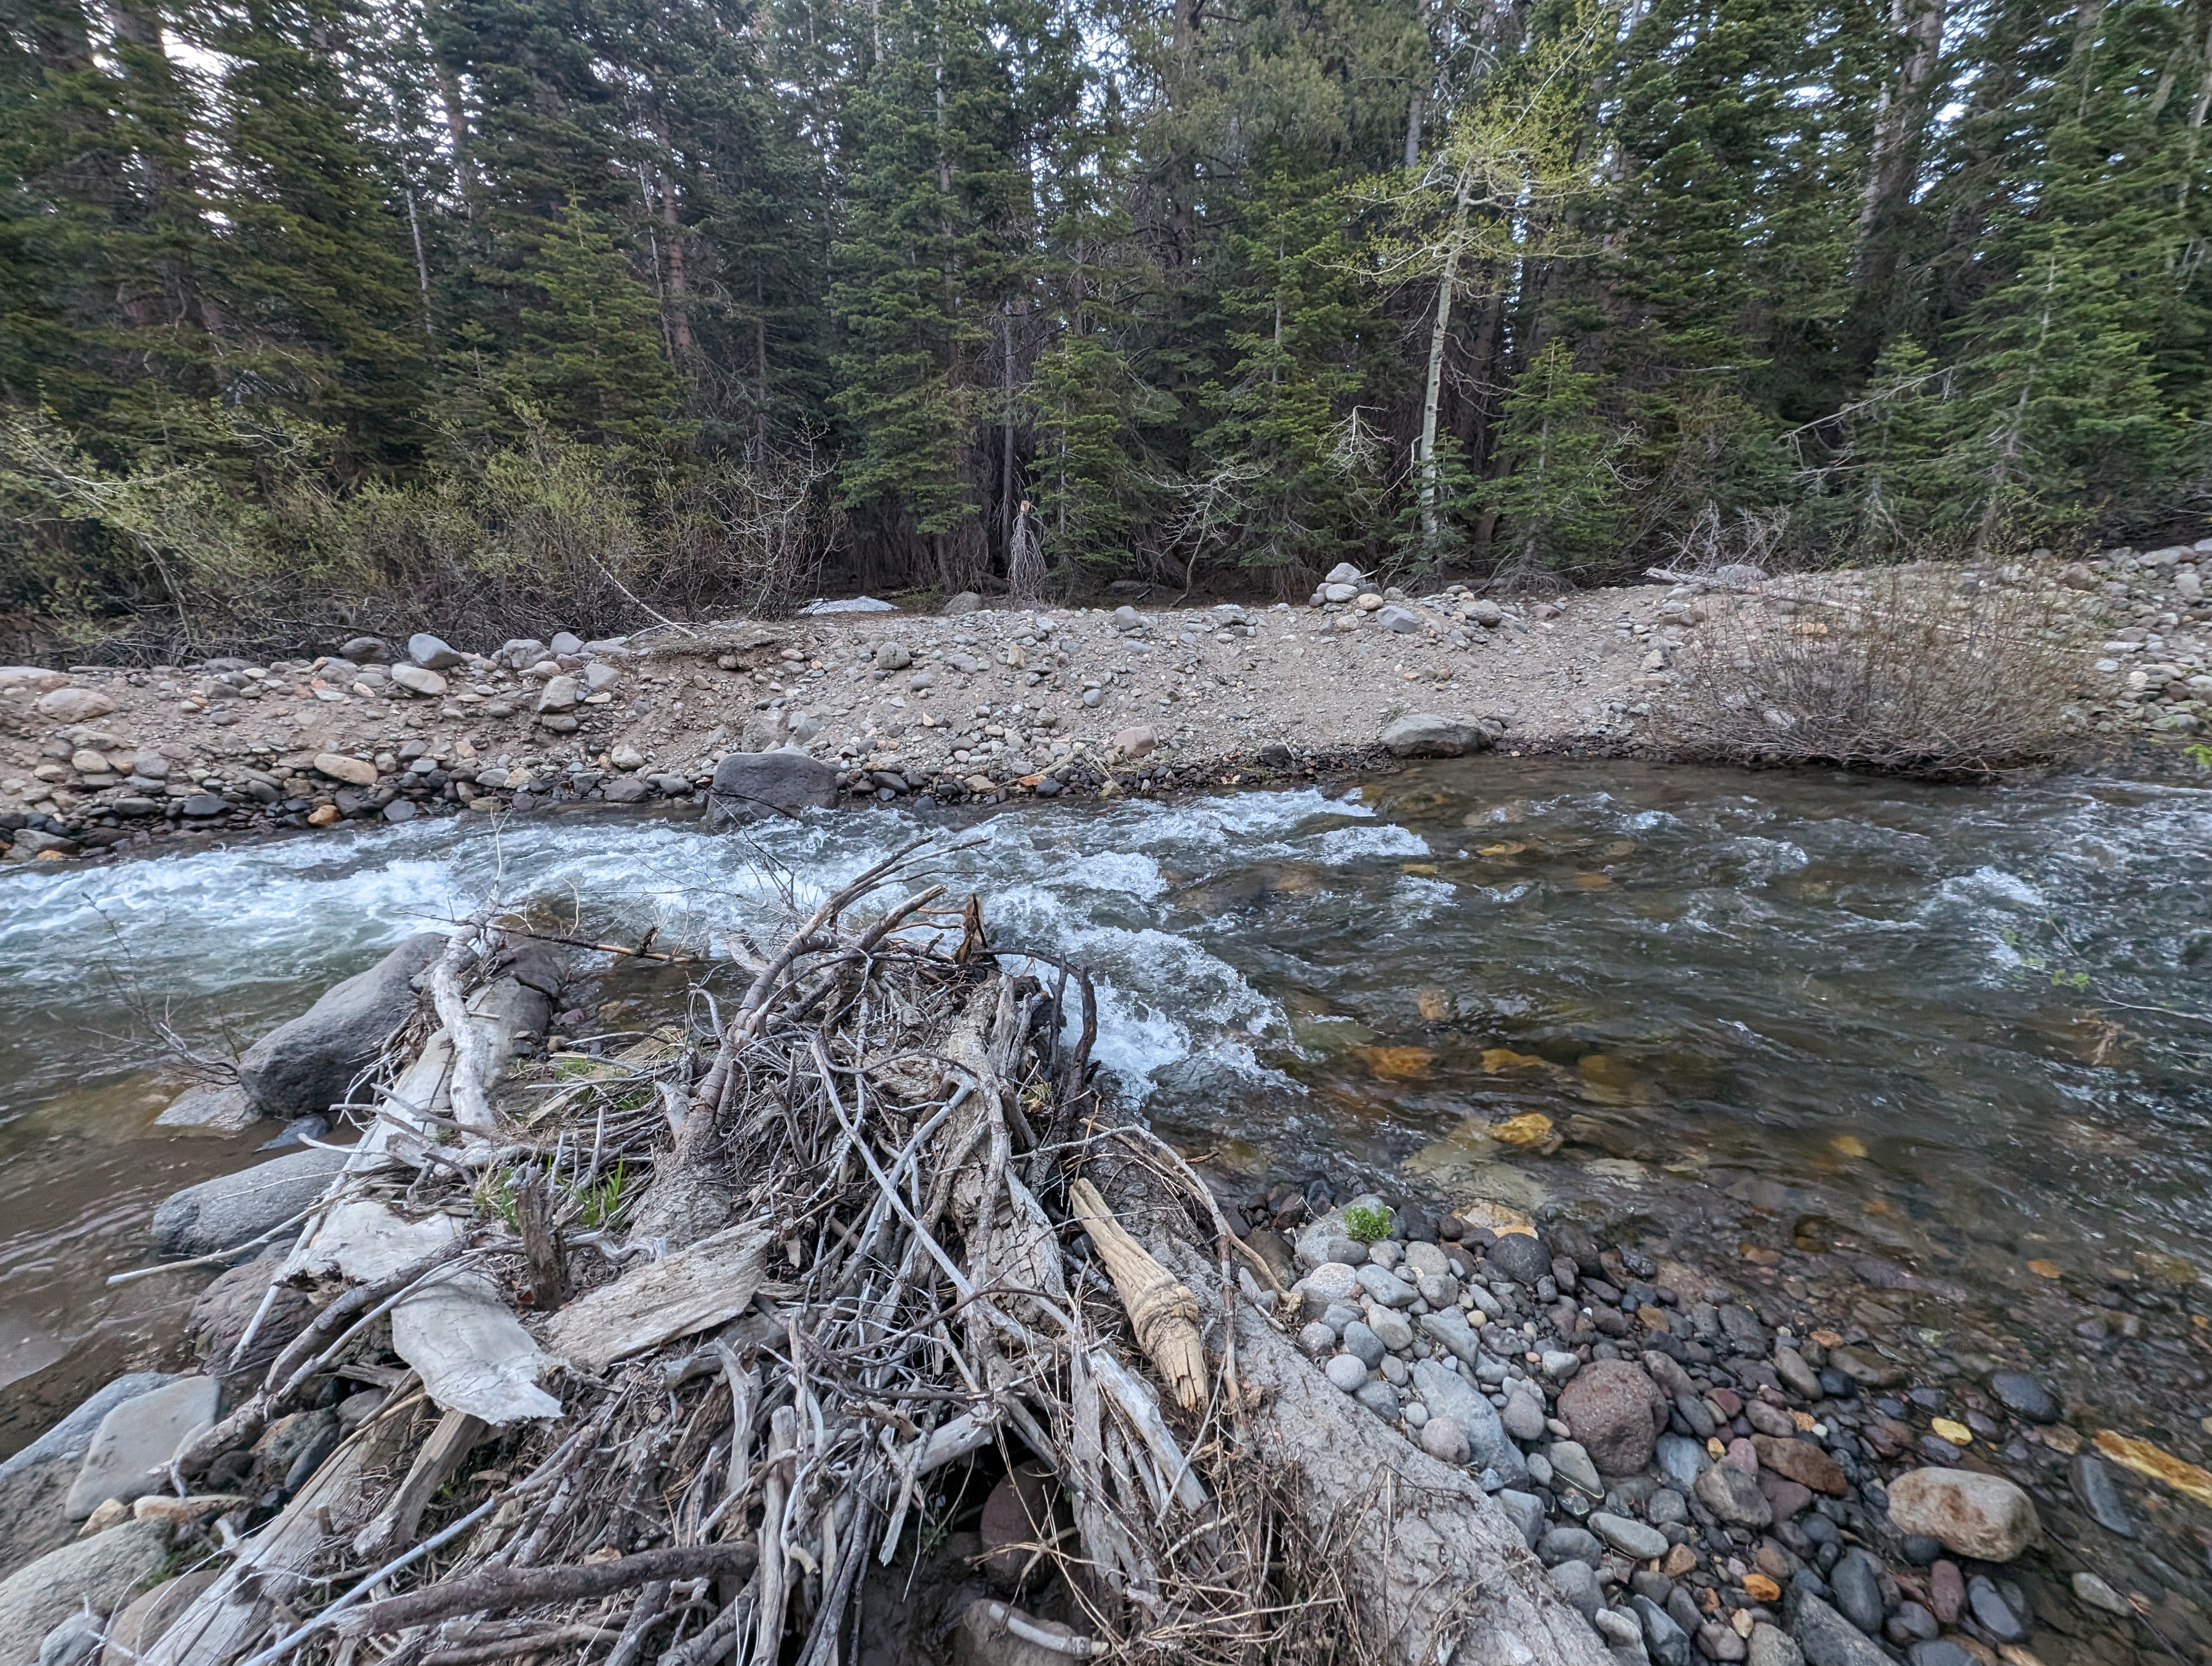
[(592, 361)]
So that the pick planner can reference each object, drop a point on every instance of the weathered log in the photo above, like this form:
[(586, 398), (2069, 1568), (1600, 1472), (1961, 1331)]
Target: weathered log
[(498, 1590)]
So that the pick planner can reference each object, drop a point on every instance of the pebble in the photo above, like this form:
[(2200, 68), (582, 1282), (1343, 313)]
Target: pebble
[(1856, 1581), (1617, 1628), (1631, 1538), (2024, 1396), (1527, 1511), (1362, 1342), (1770, 1645), (1681, 1459), (1443, 1439), (1347, 1372), (1380, 1399), (1523, 1412), (1450, 1327), (1829, 1640), (1562, 1544), (1559, 1364), (1942, 1652), (1947, 1591), (2094, 1487), (1521, 1258), (1318, 1340), (1734, 1497), (1577, 1581), (1572, 1465), (1668, 1642), (1392, 1328), (2096, 1594), (1992, 1612), (1386, 1287)]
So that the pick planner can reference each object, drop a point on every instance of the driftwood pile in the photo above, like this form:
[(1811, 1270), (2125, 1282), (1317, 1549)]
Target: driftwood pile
[(680, 1347)]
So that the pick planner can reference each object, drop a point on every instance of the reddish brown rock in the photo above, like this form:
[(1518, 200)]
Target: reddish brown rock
[(1946, 1592), (1802, 1461), (1616, 1412)]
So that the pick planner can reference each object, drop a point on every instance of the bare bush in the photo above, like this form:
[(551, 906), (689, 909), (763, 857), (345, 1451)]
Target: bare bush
[(1931, 672)]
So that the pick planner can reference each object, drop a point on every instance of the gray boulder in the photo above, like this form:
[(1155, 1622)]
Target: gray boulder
[(785, 782), (1402, 620), (307, 1065), (1425, 734), (228, 1210), (135, 1440), (966, 602), (105, 1570), (430, 652)]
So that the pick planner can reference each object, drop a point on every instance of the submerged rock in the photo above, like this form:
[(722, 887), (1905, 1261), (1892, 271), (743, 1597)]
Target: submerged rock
[(1976, 1514)]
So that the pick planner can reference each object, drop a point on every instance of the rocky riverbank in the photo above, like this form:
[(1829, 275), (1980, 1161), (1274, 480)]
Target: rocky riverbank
[(1713, 1466), (977, 705)]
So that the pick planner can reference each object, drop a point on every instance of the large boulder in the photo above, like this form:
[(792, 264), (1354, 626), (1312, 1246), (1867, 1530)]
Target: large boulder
[(1425, 734), (1616, 1413), (232, 1209), (308, 1065), (785, 782), (1976, 1514), (105, 1570)]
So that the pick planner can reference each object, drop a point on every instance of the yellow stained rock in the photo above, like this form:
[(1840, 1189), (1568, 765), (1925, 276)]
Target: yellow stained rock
[(1511, 848), (1495, 1218), (2157, 1464), (1957, 1433), (1621, 847), (1435, 1004), (2044, 1269), (1848, 1144), (1592, 881), (1397, 1064), (1498, 1060), (1530, 1128)]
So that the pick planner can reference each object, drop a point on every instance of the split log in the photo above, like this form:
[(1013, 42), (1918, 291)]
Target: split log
[(707, 1284), (1160, 1306)]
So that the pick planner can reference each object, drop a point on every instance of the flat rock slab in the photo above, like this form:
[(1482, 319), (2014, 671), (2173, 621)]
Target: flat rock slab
[(473, 1352), (130, 1451), (223, 1109), (231, 1209), (307, 1065), (680, 1295), (106, 1571)]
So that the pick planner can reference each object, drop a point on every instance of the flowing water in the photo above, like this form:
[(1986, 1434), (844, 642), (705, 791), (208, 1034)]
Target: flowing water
[(1940, 1041)]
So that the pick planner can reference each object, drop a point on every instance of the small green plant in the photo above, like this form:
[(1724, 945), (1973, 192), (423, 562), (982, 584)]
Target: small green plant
[(1367, 1222), (2200, 755), (494, 1195), (602, 1200)]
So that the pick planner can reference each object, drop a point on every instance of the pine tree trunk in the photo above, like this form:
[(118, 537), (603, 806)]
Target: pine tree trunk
[(1432, 386), (1901, 129)]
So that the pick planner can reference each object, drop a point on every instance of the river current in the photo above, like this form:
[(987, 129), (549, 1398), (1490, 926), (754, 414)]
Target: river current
[(1960, 1031)]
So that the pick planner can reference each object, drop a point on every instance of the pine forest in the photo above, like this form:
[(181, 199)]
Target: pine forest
[(507, 307)]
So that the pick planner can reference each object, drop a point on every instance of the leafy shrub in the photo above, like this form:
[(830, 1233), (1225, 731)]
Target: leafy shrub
[(1367, 1222)]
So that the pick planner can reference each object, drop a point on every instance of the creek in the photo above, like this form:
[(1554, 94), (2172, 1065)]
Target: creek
[(1937, 1042)]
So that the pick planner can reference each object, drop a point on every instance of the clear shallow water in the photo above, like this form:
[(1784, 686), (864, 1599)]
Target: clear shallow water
[(1959, 1030)]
